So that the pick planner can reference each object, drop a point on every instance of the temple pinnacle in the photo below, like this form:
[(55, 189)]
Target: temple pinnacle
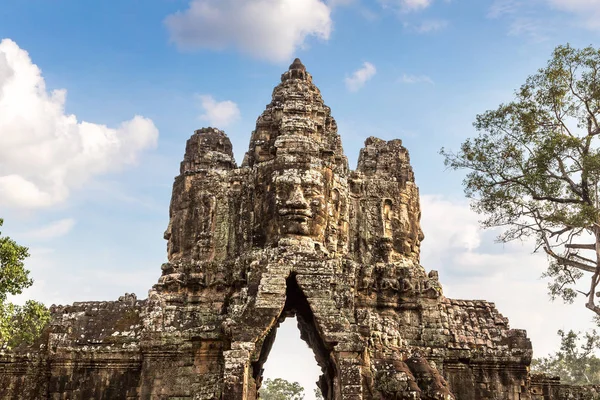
[(297, 64)]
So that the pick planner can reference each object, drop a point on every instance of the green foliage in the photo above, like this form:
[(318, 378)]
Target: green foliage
[(22, 324), (573, 364), (13, 275), (280, 389), (318, 394), (534, 168), (18, 324)]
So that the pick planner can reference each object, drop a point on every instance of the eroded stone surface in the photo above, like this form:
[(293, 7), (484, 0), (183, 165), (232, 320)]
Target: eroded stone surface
[(293, 231)]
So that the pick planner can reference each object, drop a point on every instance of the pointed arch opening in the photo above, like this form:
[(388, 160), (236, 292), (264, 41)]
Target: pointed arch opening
[(297, 307)]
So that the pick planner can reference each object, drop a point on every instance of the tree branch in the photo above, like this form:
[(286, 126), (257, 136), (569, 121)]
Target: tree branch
[(591, 246), (564, 261)]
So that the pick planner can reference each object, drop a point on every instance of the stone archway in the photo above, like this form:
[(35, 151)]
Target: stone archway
[(282, 292), (297, 305)]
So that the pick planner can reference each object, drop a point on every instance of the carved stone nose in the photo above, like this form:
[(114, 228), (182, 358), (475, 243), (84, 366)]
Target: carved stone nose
[(297, 199)]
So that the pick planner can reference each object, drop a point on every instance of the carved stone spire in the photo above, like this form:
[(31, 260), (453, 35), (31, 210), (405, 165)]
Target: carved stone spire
[(297, 64), (208, 148), (297, 121)]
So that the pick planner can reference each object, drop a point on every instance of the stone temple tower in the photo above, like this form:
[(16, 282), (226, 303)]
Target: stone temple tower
[(294, 231), (291, 232)]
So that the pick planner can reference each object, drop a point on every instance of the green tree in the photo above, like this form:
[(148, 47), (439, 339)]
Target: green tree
[(18, 324), (318, 394), (280, 389), (573, 364), (534, 169)]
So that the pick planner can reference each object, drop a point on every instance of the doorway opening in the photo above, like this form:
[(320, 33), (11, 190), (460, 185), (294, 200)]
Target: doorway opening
[(299, 353), (291, 359)]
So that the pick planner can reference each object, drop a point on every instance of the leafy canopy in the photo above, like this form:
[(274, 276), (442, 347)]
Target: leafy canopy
[(574, 365), (280, 389), (534, 168), (18, 324), (13, 275)]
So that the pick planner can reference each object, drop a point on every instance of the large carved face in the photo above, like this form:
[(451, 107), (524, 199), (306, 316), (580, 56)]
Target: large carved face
[(300, 203)]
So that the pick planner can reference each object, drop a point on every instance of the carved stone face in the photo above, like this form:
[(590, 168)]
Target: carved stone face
[(400, 227), (301, 204)]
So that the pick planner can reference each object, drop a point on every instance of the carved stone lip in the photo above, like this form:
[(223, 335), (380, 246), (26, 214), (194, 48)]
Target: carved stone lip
[(299, 215)]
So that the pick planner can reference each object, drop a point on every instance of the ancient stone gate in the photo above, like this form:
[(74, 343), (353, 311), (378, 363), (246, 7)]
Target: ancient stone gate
[(293, 231)]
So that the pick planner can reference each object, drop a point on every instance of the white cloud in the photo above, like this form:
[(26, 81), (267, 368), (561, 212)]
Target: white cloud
[(406, 6), (359, 77), (504, 7), (267, 29), (464, 235), (526, 19), (414, 5), (473, 266), (53, 230), (218, 113), (587, 10), (335, 3), (45, 152), (427, 26), (432, 25), (80, 284), (534, 28), (576, 5), (412, 79)]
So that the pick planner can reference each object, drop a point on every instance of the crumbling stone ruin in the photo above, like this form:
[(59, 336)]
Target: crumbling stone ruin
[(293, 231)]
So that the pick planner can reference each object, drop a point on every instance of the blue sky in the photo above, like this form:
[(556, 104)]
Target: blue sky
[(86, 173)]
